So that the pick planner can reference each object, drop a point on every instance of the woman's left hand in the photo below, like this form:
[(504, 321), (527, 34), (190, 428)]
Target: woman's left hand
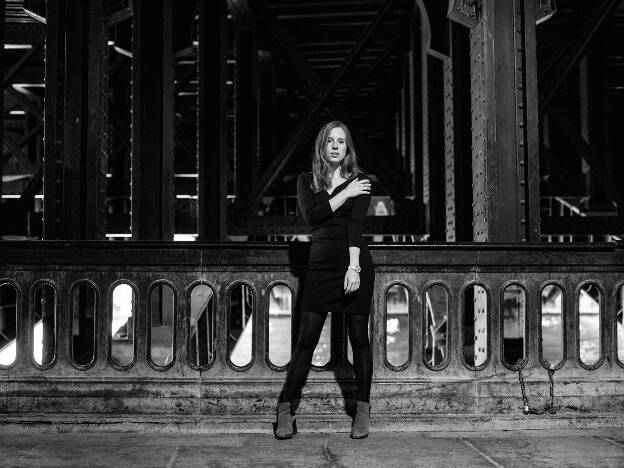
[(351, 281)]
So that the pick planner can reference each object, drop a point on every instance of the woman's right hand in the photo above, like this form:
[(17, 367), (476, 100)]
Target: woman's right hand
[(358, 187)]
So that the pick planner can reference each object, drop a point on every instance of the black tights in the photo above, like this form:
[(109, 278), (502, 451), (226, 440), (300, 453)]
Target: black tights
[(309, 334)]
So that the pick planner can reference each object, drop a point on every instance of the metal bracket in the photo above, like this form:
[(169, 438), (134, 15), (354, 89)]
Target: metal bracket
[(544, 10), (465, 12)]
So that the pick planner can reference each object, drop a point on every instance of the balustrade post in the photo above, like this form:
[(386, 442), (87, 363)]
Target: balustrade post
[(416, 309), (260, 323), (496, 322), (22, 358), (180, 333), (570, 319), (608, 341), (142, 324), (533, 325), (63, 322), (104, 314), (377, 317), (221, 322)]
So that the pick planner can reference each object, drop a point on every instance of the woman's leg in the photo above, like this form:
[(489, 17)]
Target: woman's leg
[(309, 333), (357, 326)]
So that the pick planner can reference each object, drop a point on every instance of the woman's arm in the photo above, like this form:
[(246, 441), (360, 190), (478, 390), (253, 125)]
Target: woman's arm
[(358, 213), (354, 237), (311, 213)]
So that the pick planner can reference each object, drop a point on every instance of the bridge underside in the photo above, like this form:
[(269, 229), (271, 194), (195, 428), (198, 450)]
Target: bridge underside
[(491, 131)]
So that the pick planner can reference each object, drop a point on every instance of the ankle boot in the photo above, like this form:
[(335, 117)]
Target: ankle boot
[(286, 426), (359, 430)]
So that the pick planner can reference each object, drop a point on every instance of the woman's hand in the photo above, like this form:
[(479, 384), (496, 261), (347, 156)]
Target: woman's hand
[(351, 281), (357, 187)]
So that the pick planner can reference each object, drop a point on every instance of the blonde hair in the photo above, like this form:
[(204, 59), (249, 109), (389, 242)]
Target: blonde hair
[(321, 168)]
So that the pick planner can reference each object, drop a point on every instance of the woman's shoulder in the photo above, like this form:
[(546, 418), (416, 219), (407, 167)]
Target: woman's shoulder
[(304, 179), (305, 175)]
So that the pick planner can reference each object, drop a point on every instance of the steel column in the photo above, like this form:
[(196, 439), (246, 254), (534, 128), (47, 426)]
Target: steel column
[(462, 164), (211, 157), (505, 136), (75, 187), (246, 112), (96, 140), (152, 120), (436, 158), (2, 5), (53, 119)]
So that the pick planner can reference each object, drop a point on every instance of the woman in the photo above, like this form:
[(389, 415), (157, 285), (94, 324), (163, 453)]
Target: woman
[(333, 199)]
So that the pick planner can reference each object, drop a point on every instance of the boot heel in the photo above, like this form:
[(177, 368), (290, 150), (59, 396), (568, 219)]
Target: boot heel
[(284, 428), (360, 427), (294, 426)]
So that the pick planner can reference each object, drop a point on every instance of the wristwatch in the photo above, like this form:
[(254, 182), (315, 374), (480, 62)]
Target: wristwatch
[(355, 268)]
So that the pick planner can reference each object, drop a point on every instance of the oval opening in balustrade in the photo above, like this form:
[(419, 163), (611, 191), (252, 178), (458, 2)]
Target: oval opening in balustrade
[(397, 326), (83, 313), (44, 302), (162, 324), (514, 319), (436, 352), (280, 324), (122, 325), (552, 324), (8, 324), (202, 326), (476, 317), (619, 322), (589, 300), (242, 308), (322, 352)]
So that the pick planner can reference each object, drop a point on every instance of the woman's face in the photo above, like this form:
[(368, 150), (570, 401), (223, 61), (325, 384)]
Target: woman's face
[(336, 146)]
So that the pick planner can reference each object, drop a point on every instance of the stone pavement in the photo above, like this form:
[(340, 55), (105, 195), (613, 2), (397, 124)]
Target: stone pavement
[(552, 447)]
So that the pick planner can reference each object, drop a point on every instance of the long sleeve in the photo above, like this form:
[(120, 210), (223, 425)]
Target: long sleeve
[(312, 214), (358, 213)]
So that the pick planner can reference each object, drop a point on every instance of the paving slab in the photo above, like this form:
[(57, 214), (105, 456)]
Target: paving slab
[(523, 448)]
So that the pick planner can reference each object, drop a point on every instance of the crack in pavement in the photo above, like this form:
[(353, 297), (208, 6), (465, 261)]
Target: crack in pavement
[(332, 459), (173, 457), (482, 453)]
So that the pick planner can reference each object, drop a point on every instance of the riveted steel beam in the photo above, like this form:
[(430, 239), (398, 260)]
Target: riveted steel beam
[(53, 123), (2, 14), (246, 111), (152, 120), (505, 135), (211, 154)]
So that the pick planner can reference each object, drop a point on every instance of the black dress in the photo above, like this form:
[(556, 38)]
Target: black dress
[(332, 235)]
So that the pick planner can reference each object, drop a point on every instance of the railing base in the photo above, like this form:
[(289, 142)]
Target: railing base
[(263, 423)]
